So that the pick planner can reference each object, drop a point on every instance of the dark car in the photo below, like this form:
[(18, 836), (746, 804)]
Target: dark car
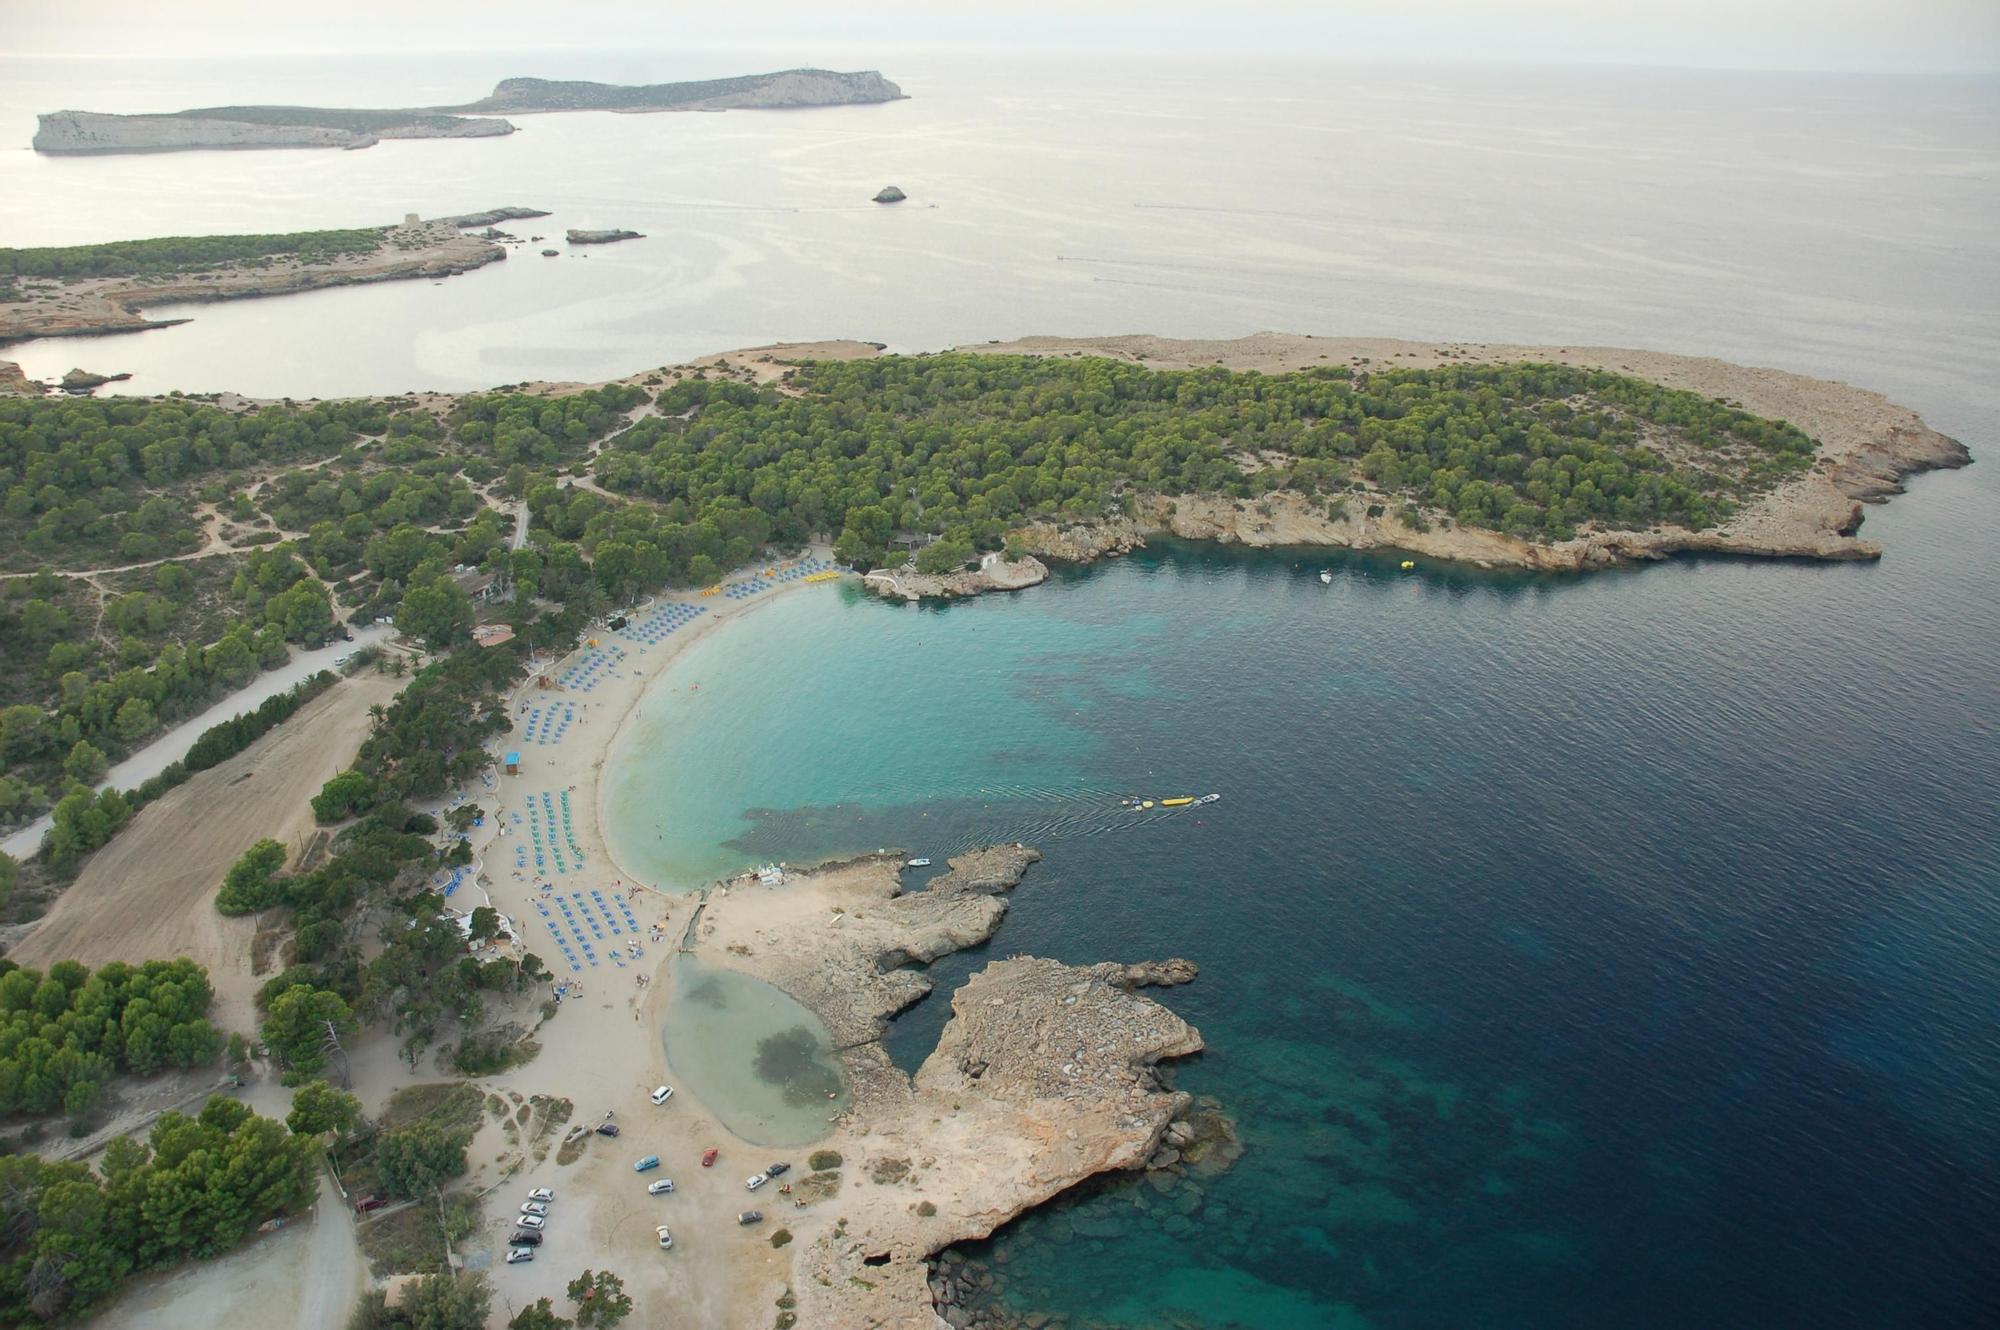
[(777, 1170), (607, 1129), (363, 1204), (525, 1238), (750, 1217)]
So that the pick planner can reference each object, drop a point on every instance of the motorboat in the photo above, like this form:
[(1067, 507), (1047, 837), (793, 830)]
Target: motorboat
[(1326, 576), (916, 863)]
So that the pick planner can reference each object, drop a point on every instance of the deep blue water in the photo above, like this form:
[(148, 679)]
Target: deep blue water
[(1592, 951)]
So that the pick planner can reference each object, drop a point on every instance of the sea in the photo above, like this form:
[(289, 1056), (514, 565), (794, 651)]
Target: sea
[(1617, 950)]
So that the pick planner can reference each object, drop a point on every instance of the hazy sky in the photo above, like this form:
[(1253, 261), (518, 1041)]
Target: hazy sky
[(1775, 34)]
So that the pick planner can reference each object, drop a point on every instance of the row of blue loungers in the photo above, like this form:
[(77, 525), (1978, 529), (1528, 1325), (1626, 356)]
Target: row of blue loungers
[(543, 725), (591, 912), (655, 626), (750, 586), (544, 816), (590, 668)]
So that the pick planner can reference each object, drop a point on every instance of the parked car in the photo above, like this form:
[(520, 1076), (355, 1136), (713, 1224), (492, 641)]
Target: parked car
[(777, 1170), (657, 1188), (750, 1217), (607, 1129), (539, 1209), (648, 1163), (541, 1194), (523, 1238), (757, 1180), (708, 1157), (363, 1204), (516, 1255), (532, 1221), (666, 1238), (663, 1094)]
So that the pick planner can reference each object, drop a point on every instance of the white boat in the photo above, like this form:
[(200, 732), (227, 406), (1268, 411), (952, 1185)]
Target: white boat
[(1208, 799), (916, 863), (1326, 576)]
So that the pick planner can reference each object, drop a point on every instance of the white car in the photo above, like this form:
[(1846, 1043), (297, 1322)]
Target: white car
[(519, 1255), (541, 1194), (657, 1188), (532, 1221), (666, 1238), (537, 1208), (663, 1094), (757, 1180)]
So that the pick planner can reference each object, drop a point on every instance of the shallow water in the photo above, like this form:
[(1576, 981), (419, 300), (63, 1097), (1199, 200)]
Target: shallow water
[(1561, 937), (760, 1061)]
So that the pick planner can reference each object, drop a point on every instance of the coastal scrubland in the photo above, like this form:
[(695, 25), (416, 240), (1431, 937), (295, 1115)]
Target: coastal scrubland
[(183, 254), (357, 510)]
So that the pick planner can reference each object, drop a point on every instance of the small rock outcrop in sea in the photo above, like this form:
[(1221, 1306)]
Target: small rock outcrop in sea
[(600, 237), (995, 573), (550, 253), (84, 381), (890, 194)]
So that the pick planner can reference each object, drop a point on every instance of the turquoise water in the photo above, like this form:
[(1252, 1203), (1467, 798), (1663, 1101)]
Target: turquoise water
[(1576, 952), (760, 1061), (790, 734)]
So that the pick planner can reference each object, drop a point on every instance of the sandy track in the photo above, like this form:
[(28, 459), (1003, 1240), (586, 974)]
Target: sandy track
[(147, 894)]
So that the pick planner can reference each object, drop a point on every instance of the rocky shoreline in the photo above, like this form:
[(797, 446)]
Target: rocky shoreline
[(993, 574), (1045, 1075), (93, 306), (1868, 447)]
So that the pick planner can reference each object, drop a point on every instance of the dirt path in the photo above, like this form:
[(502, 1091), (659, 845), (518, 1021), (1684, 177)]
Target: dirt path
[(148, 894), (304, 1277)]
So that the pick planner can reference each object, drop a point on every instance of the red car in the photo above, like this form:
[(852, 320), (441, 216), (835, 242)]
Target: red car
[(708, 1157), (363, 1204)]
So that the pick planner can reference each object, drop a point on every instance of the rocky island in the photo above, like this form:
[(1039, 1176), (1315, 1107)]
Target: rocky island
[(86, 290), (576, 237), (81, 132), (788, 89), (890, 194)]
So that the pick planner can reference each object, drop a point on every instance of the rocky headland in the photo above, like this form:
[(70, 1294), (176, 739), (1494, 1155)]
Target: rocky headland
[(89, 306), (78, 132), (789, 89), (994, 573), (1867, 447), (1045, 1075), (14, 381)]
